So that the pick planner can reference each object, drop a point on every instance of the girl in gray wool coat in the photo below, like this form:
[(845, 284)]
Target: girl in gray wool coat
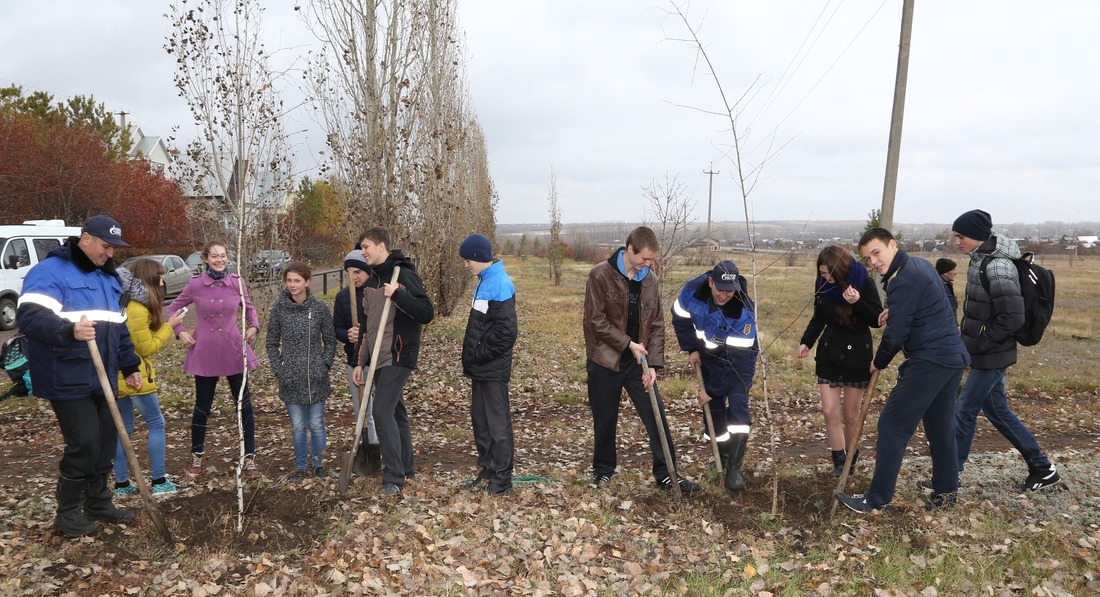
[(301, 345)]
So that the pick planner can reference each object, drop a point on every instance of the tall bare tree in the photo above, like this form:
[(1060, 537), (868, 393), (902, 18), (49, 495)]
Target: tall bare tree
[(556, 252), (668, 212), (389, 85), (746, 177), (241, 157)]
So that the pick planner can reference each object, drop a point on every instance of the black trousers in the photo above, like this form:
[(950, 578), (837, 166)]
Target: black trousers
[(492, 421), (605, 388), (90, 437)]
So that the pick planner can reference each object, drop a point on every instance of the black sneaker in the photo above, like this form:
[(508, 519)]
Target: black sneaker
[(599, 480), (1040, 479), (319, 472), (494, 489), (686, 485), (857, 502), (927, 484), (390, 489), (298, 475), (473, 484), (941, 501)]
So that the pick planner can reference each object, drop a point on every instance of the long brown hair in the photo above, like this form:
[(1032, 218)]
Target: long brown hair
[(149, 273), (838, 262)]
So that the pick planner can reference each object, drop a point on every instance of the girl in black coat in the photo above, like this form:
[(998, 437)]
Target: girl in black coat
[(846, 307)]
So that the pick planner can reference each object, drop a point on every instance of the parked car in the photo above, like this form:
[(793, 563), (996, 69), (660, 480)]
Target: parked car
[(268, 264), (195, 262), (176, 272), (21, 248)]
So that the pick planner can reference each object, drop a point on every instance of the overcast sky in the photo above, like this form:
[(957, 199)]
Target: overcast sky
[(1001, 112)]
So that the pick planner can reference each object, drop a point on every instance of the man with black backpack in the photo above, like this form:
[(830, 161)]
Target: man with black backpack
[(993, 313)]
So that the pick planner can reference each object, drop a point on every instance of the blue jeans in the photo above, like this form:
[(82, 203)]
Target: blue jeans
[(149, 408), (925, 392), (313, 417), (984, 391)]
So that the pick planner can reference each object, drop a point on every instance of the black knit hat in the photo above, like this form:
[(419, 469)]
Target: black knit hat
[(975, 224), (944, 265), (476, 247)]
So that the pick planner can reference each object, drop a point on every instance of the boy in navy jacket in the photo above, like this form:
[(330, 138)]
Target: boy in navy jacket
[(922, 325)]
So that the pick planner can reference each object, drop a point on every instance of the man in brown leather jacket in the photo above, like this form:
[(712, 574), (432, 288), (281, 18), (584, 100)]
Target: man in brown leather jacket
[(624, 322)]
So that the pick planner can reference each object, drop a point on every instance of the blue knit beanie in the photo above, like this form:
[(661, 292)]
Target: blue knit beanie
[(476, 247)]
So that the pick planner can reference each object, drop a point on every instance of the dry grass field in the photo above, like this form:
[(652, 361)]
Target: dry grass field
[(556, 535)]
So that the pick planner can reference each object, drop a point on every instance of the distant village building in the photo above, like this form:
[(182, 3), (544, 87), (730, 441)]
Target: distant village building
[(151, 149)]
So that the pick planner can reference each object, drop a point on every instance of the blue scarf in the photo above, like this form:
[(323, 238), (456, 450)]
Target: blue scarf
[(857, 276), (216, 275)]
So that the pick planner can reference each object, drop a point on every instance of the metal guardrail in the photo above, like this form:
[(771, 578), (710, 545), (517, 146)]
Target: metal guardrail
[(336, 277)]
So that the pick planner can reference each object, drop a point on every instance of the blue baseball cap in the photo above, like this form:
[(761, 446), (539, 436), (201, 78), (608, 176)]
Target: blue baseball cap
[(106, 229)]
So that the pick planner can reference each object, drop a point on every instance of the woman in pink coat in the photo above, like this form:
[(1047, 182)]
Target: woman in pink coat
[(214, 348)]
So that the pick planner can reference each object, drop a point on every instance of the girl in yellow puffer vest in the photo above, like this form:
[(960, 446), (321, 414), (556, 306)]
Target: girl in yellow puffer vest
[(144, 284)]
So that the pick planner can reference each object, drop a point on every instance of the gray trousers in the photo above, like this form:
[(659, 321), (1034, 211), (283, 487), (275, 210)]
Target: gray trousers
[(392, 421), (372, 433)]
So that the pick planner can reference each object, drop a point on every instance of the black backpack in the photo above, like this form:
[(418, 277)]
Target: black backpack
[(13, 357), (1037, 288)]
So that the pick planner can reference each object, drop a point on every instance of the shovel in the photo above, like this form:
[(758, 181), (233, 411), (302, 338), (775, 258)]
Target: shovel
[(661, 433), (365, 398), (710, 425), (131, 457), (866, 406)]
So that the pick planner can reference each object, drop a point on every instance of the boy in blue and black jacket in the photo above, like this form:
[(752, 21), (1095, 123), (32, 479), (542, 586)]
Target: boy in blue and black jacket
[(715, 323), (491, 332)]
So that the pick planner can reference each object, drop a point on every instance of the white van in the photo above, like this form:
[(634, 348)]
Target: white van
[(21, 247)]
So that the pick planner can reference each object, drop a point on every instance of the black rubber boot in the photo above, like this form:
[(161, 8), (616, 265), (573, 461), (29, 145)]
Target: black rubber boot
[(735, 455), (99, 506), (70, 521), (839, 456), (724, 458)]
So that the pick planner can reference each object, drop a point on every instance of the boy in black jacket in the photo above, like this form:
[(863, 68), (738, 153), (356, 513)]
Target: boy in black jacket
[(411, 310), (491, 332), (368, 461)]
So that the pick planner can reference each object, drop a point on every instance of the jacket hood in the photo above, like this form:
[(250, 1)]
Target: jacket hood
[(999, 246), (396, 258), (617, 261), (133, 287)]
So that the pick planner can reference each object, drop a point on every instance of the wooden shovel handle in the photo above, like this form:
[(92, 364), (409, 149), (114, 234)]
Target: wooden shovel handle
[(131, 457), (364, 393)]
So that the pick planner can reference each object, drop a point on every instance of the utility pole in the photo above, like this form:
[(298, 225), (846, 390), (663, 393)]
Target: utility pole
[(122, 116), (893, 152), (710, 195)]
